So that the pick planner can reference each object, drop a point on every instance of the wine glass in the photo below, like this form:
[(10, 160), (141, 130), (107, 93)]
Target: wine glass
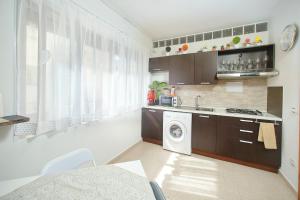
[(249, 65), (258, 64), (235, 65), (223, 65), (242, 65), (266, 59), (228, 65)]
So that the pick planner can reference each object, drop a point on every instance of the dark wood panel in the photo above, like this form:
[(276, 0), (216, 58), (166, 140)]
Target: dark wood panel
[(206, 67), (237, 138), (159, 64), (204, 132), (274, 101), (182, 70), (153, 141), (152, 124), (270, 157), (226, 136)]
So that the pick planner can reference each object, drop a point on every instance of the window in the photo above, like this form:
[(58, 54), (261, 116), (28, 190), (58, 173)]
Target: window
[(73, 68)]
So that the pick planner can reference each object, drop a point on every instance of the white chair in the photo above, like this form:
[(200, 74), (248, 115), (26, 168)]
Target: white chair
[(69, 161)]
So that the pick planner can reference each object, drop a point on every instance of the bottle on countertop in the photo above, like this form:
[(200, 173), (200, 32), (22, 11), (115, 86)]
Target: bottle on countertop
[(173, 94)]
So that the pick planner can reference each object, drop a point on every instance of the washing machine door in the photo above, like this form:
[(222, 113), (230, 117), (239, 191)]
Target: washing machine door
[(176, 131)]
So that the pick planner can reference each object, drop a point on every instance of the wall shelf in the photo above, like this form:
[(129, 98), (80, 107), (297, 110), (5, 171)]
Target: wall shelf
[(13, 119)]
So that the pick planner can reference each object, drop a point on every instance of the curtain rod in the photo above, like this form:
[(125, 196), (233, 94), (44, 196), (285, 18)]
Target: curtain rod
[(98, 17)]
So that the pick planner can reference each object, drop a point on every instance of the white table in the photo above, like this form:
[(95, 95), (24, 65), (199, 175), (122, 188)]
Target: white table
[(10, 185)]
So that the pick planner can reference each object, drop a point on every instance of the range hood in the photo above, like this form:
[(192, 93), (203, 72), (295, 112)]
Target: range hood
[(241, 75)]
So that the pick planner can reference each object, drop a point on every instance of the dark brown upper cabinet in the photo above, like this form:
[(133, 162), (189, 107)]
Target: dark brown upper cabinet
[(159, 64), (206, 68), (204, 133), (181, 70)]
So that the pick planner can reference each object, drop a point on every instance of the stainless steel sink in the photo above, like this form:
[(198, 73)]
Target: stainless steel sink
[(199, 108), (205, 109)]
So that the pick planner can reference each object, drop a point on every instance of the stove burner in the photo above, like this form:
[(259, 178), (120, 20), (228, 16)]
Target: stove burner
[(244, 111)]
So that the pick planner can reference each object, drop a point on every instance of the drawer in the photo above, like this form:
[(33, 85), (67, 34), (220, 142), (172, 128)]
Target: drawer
[(250, 134), (247, 124)]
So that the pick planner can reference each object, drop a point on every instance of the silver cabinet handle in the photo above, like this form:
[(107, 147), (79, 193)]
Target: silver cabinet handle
[(245, 120), (156, 69), (275, 123), (245, 131), (203, 116), (205, 83), (180, 83), (152, 110), (245, 141)]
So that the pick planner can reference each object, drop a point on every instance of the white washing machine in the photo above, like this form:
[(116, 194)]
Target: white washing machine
[(177, 132)]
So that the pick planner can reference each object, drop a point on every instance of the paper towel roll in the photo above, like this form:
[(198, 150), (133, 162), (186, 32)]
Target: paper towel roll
[(1, 106)]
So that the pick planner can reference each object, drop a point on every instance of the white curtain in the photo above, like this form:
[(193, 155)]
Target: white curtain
[(73, 68)]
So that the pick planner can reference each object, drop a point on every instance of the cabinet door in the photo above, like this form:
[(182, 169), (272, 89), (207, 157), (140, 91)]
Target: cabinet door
[(152, 124), (227, 136), (159, 64), (182, 69), (270, 157), (204, 132), (206, 67)]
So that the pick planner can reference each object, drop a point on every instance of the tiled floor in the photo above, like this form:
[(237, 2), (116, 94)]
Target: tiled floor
[(202, 178)]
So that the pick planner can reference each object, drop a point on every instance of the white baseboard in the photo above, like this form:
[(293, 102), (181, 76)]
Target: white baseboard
[(126, 149), (294, 188)]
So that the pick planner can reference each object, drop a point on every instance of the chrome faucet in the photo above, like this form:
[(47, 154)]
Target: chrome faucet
[(197, 102)]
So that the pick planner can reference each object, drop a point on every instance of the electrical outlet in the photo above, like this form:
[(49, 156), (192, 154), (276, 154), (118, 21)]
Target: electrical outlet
[(292, 162)]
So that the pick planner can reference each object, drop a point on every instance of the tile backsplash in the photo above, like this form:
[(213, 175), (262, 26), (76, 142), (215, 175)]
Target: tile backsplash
[(250, 93)]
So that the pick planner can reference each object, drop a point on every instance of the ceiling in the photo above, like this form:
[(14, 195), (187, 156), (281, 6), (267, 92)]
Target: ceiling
[(162, 19)]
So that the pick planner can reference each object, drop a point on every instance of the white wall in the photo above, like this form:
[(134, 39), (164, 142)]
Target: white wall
[(197, 46), (288, 64), (106, 139)]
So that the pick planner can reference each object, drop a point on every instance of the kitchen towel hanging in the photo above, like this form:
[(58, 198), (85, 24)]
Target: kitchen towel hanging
[(267, 135)]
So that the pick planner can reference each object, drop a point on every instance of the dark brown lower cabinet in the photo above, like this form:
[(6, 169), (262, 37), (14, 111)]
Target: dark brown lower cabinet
[(267, 157), (204, 132), (237, 139), (152, 125), (226, 138)]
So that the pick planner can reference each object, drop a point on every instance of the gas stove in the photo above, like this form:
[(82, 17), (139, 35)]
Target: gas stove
[(244, 111)]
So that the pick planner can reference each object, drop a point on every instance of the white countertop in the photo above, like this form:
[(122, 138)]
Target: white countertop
[(218, 111)]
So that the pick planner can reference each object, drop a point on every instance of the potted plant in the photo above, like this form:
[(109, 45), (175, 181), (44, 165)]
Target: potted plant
[(157, 87)]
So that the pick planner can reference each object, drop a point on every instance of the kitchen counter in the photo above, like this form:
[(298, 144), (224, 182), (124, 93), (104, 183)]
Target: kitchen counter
[(217, 111)]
